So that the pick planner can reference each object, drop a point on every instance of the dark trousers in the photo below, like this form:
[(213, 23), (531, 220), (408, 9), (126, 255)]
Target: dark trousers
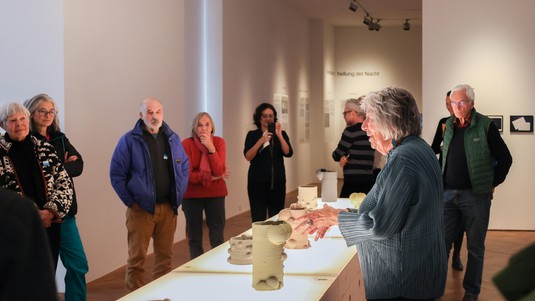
[(54, 235), (463, 207), (214, 209), (458, 243), (263, 199), (364, 186)]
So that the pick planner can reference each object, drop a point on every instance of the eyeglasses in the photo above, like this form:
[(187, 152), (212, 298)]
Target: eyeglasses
[(458, 103), (346, 112), (267, 116), (44, 112)]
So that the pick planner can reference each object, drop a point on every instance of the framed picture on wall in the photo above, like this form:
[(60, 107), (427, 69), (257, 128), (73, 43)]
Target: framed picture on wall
[(521, 124), (498, 120)]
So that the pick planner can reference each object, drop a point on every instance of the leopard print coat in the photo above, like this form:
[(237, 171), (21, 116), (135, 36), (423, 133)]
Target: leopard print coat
[(58, 186)]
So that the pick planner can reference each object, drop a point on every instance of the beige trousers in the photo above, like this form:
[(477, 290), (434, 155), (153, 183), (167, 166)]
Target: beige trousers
[(141, 226)]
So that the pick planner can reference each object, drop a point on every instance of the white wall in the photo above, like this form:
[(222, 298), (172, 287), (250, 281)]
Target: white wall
[(31, 55), (393, 53), (265, 52), (116, 54), (489, 46)]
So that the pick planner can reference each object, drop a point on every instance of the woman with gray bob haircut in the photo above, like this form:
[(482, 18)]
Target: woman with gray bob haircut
[(11, 109), (32, 168), (398, 229)]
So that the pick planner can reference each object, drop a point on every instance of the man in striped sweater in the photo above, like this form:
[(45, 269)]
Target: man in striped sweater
[(354, 152)]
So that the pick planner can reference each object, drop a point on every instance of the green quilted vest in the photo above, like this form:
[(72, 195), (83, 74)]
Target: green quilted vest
[(480, 161)]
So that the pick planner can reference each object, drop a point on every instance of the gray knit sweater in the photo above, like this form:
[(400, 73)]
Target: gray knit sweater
[(398, 229)]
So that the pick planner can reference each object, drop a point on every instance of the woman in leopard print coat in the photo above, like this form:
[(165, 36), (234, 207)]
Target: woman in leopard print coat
[(33, 169)]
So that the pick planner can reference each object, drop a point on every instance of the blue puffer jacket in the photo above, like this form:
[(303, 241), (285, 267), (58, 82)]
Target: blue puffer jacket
[(131, 169)]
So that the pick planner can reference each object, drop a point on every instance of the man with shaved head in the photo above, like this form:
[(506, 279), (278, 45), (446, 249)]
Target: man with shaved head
[(149, 172)]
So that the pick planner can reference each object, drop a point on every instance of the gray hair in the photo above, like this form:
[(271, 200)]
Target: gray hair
[(33, 104), (10, 109), (354, 105), (394, 111), (143, 104), (467, 89), (196, 121)]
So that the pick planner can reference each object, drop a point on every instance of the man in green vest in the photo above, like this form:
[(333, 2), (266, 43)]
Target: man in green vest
[(475, 160)]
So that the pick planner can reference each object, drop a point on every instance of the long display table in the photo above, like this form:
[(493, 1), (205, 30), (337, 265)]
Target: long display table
[(328, 270)]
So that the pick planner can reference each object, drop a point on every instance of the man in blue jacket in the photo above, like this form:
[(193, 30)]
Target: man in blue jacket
[(149, 171)]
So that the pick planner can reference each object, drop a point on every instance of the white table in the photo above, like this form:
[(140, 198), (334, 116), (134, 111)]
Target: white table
[(328, 270)]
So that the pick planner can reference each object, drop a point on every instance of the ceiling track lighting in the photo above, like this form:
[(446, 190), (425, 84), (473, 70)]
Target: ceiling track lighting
[(373, 24), (376, 25), (353, 6), (406, 25), (367, 20)]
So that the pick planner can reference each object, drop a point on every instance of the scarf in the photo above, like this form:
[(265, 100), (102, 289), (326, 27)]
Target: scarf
[(204, 167)]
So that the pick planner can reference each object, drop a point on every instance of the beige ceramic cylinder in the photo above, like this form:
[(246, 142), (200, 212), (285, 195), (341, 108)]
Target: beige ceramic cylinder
[(297, 240), (307, 196), (269, 238), (241, 250)]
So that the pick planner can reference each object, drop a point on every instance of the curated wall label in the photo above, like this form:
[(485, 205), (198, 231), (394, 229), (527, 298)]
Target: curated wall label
[(357, 73)]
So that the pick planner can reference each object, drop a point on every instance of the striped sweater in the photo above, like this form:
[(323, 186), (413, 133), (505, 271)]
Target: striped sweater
[(354, 142), (398, 229)]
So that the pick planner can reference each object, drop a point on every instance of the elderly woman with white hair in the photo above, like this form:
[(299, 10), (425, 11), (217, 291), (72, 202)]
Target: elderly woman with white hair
[(398, 229), (32, 168)]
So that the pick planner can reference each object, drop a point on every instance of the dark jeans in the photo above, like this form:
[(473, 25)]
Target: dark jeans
[(214, 209), (458, 243), (462, 205), (263, 199)]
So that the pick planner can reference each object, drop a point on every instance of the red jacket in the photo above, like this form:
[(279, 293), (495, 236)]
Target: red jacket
[(217, 163)]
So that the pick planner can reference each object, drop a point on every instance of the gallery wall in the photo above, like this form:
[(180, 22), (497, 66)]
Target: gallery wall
[(266, 52), (368, 61), (31, 55), (490, 46), (117, 53)]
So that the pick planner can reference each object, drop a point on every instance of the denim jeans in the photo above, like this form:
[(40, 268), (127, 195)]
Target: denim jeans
[(474, 210), (73, 258)]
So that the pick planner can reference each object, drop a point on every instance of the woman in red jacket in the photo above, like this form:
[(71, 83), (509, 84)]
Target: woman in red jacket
[(206, 185)]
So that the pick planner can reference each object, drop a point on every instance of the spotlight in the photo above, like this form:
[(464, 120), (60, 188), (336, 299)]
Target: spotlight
[(371, 26), (376, 26), (367, 20), (353, 6), (406, 25)]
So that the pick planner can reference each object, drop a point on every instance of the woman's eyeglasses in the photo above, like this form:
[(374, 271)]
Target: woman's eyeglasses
[(44, 112)]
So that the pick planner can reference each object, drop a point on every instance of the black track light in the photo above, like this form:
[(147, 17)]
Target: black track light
[(353, 6), (406, 25), (367, 20), (374, 25)]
